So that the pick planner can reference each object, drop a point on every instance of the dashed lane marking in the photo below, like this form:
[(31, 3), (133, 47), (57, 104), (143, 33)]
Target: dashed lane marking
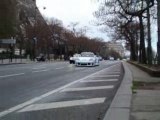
[(39, 68), (11, 75), (60, 68), (39, 71), (63, 104)]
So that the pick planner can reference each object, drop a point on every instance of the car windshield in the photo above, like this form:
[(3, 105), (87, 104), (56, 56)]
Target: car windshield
[(76, 55), (87, 54)]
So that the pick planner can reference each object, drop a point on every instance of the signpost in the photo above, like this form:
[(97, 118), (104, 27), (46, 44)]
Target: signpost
[(8, 41)]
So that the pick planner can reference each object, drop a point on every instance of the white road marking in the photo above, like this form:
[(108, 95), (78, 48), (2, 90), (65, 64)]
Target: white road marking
[(43, 65), (71, 65), (11, 75), (39, 68), (87, 88), (60, 68), (106, 76), (63, 104), (118, 70), (113, 72), (106, 80), (39, 71), (79, 68), (20, 106)]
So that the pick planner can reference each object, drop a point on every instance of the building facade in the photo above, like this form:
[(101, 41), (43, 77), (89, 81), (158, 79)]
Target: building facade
[(117, 47)]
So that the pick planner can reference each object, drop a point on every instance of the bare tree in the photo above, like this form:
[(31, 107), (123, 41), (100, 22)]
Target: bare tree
[(73, 26), (127, 9), (8, 18)]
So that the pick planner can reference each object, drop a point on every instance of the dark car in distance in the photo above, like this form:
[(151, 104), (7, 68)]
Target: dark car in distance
[(41, 57)]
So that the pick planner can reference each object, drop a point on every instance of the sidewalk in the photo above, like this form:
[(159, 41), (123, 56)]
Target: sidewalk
[(142, 103), (145, 103), (120, 106)]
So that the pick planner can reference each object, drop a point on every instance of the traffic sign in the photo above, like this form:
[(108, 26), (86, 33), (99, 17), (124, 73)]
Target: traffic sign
[(8, 41)]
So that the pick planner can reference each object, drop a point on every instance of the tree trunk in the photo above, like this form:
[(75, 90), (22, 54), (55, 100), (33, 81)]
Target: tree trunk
[(133, 50), (142, 57), (158, 23), (136, 45), (149, 49)]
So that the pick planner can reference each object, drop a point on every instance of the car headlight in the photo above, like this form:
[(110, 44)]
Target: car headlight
[(91, 59), (77, 59), (71, 58)]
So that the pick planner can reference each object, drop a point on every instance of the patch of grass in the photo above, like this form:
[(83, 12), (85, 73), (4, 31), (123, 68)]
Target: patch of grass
[(133, 90), (135, 86), (145, 86)]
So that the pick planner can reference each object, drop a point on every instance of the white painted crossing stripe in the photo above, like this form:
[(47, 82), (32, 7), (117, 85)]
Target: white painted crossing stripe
[(63, 104), (87, 88), (106, 76), (106, 80), (113, 72), (39, 71), (11, 75), (108, 73), (20, 106)]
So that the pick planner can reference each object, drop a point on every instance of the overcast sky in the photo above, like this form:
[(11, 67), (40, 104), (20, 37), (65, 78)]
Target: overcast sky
[(69, 11), (81, 11)]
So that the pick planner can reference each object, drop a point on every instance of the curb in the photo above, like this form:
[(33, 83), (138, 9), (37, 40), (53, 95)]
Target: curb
[(151, 72), (11, 64), (120, 106), (1, 64)]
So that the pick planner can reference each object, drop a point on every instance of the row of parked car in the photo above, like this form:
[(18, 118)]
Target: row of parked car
[(85, 59)]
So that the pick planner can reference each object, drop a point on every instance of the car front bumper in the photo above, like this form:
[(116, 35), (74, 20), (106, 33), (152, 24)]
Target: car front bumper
[(85, 63)]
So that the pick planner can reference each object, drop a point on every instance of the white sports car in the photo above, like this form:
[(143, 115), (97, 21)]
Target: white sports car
[(87, 59)]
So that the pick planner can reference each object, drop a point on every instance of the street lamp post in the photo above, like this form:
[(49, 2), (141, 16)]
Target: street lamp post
[(34, 47), (35, 33), (35, 40)]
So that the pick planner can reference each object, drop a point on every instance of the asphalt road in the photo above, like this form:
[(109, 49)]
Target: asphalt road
[(57, 91)]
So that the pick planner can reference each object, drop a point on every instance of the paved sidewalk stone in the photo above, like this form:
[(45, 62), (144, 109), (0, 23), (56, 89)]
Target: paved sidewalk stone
[(145, 103)]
